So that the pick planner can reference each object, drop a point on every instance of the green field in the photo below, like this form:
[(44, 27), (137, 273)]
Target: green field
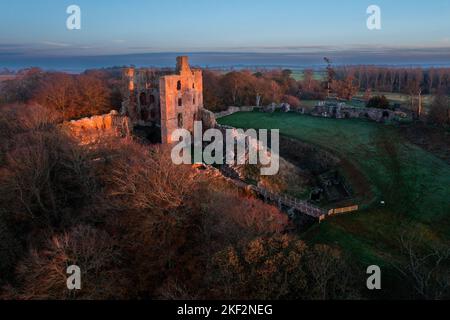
[(299, 75), (399, 98), (414, 183)]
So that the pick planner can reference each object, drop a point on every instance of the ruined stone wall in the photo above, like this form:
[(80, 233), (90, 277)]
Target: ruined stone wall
[(208, 119), (141, 96), (163, 100), (232, 110), (346, 112), (89, 130)]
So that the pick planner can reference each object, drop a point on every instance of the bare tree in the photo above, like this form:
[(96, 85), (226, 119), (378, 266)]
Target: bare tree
[(427, 269)]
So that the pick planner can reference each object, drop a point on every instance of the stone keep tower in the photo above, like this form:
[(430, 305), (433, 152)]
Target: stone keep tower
[(165, 102), (181, 98)]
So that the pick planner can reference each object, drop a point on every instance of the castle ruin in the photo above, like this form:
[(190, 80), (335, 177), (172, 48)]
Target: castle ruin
[(161, 101)]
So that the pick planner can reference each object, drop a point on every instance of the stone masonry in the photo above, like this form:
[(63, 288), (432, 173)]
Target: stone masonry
[(342, 111), (91, 130), (164, 101)]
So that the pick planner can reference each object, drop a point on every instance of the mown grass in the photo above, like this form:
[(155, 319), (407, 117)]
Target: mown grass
[(299, 75), (400, 98), (414, 184)]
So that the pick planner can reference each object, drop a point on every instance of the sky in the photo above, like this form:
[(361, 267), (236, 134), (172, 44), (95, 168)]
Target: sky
[(37, 28)]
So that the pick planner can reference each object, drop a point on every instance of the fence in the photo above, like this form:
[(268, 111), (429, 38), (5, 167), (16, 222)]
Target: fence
[(333, 212)]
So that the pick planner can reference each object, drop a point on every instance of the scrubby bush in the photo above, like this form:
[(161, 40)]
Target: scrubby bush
[(281, 267), (47, 178), (42, 274), (10, 250), (440, 111), (380, 102), (294, 102)]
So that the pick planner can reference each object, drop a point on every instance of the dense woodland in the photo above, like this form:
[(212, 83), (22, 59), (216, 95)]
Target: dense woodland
[(71, 96), (140, 227)]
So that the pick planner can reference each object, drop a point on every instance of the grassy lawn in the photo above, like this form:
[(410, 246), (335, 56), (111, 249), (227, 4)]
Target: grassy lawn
[(399, 97), (414, 183), (299, 75)]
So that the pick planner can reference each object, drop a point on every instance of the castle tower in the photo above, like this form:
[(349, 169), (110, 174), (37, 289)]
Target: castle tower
[(181, 97), (183, 65), (129, 75), (163, 103)]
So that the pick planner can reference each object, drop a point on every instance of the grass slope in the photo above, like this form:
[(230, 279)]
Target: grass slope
[(414, 183)]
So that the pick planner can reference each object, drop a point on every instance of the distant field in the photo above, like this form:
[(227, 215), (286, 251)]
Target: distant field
[(299, 75), (398, 97), (394, 98), (414, 183)]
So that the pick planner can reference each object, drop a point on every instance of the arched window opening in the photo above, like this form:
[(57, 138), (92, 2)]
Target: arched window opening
[(179, 85), (144, 115), (180, 102), (193, 85), (180, 120), (143, 99), (193, 100)]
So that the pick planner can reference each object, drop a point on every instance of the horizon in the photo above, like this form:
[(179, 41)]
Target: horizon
[(218, 60)]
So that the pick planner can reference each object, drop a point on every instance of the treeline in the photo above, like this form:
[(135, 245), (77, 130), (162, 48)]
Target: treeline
[(252, 88), (99, 91), (414, 82), (397, 80), (246, 88), (72, 96)]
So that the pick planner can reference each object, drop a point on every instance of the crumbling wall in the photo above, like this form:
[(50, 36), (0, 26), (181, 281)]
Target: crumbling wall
[(162, 100), (208, 119), (89, 130), (232, 110), (141, 96), (341, 111)]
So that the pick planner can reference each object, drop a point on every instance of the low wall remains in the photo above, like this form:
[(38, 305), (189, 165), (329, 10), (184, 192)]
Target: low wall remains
[(342, 111), (88, 130), (232, 110)]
